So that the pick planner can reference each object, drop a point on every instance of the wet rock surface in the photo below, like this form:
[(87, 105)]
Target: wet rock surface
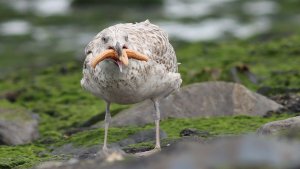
[(82, 152), (233, 152), (193, 132), (17, 126), (77, 152), (290, 101), (142, 136), (200, 100), (104, 158)]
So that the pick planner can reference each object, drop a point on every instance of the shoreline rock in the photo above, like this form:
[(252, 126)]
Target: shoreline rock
[(17, 126), (200, 100), (280, 127)]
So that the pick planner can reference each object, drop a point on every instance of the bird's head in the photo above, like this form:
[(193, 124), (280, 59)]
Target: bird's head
[(115, 40), (112, 43)]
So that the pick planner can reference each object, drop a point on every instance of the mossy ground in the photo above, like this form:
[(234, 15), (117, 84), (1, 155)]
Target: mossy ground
[(274, 62), (24, 156), (54, 93), (27, 155)]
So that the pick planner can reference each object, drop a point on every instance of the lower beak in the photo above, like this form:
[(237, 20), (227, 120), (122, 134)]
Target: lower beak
[(120, 66)]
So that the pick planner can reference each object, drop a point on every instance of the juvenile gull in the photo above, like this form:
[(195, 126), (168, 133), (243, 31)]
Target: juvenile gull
[(129, 63)]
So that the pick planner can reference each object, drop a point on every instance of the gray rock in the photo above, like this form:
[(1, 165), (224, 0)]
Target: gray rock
[(77, 152), (234, 152), (17, 126), (193, 132), (142, 136), (290, 101), (199, 100), (280, 127)]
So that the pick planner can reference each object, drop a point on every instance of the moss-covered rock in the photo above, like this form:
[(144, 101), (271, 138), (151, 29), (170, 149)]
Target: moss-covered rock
[(271, 62), (17, 125), (281, 128)]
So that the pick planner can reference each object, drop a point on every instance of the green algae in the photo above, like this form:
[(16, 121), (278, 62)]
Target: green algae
[(24, 156), (96, 136), (275, 63), (216, 126)]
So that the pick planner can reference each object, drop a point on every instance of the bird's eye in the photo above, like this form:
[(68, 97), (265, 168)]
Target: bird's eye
[(126, 38), (105, 39), (88, 52)]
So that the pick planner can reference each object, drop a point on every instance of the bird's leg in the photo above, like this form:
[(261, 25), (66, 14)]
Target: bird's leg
[(157, 119), (106, 125), (111, 154), (156, 115)]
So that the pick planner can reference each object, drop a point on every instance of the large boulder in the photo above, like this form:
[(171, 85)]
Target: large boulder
[(198, 100), (281, 127), (17, 126)]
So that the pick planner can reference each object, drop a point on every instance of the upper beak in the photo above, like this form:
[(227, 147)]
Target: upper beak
[(118, 49)]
